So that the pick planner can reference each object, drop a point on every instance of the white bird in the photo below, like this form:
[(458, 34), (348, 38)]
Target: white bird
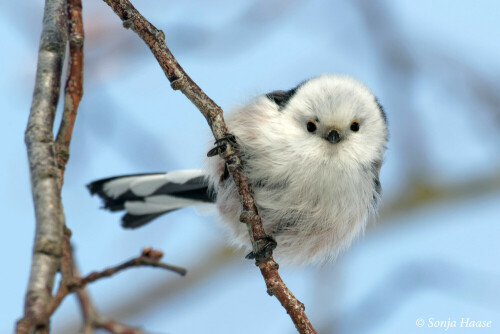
[(312, 155)]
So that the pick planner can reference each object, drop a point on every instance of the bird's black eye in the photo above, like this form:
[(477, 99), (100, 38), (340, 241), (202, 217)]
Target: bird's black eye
[(355, 126), (311, 126)]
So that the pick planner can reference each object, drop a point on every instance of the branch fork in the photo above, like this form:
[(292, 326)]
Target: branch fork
[(48, 158)]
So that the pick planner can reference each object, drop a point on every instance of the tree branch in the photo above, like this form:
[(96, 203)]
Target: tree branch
[(74, 84), (43, 168), (153, 295), (47, 159), (93, 320), (148, 258), (70, 283), (89, 312), (179, 80)]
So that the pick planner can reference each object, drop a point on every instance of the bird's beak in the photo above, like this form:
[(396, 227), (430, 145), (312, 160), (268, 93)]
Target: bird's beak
[(333, 136)]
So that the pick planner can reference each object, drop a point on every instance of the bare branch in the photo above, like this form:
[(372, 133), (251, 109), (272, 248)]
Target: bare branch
[(115, 327), (157, 292), (179, 80), (43, 168), (67, 278), (69, 284), (74, 84), (52, 250), (148, 258), (89, 312), (93, 320)]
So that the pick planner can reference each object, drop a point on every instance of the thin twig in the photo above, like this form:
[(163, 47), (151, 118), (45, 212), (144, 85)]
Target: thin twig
[(148, 258), (43, 168), (179, 80), (89, 312), (74, 84), (72, 283), (115, 327), (153, 295), (93, 320)]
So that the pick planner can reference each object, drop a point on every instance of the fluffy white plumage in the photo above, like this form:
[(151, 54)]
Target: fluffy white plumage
[(314, 196), (312, 155)]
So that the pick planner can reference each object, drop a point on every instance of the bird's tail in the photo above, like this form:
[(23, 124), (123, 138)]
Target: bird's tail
[(147, 196)]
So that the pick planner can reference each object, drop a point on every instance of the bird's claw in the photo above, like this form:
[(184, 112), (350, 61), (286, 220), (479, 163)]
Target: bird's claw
[(262, 249), (221, 144)]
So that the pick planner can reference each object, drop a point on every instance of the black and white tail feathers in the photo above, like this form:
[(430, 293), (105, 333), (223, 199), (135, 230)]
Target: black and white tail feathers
[(147, 196)]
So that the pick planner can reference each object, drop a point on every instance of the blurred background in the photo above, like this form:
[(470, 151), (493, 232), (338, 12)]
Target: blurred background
[(433, 252)]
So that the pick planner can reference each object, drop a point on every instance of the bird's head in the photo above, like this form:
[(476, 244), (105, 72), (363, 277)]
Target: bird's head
[(334, 117)]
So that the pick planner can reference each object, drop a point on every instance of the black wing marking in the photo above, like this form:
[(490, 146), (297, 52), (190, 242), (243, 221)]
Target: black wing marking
[(375, 168), (382, 111), (282, 97)]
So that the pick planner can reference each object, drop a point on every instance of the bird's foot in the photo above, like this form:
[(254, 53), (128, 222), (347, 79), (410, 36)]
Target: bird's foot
[(263, 248), (221, 144)]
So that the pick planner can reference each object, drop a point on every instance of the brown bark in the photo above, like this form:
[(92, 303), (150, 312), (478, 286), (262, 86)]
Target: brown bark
[(179, 80)]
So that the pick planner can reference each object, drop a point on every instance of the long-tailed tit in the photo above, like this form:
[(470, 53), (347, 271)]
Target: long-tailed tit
[(312, 155)]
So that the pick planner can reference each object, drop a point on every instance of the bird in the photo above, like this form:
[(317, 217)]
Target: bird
[(312, 155)]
